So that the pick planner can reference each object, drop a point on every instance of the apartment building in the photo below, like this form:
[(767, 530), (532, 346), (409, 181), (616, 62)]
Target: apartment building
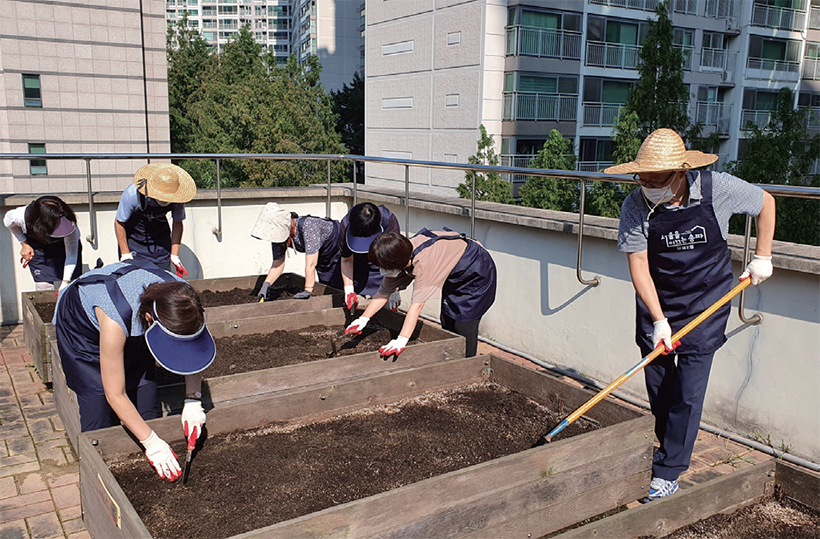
[(439, 68), (88, 78), (330, 29)]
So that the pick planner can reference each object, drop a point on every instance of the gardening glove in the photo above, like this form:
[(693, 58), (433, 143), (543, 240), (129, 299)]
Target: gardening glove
[(663, 333), (304, 294), (26, 254), (357, 326), (759, 269), (263, 292), (181, 271), (161, 457), (394, 347), (193, 417), (394, 301), (351, 299), (126, 256)]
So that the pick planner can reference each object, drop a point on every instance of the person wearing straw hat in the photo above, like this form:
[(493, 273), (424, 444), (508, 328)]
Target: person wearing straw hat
[(49, 241), (673, 231), (141, 223), (317, 237), (112, 325), (364, 223)]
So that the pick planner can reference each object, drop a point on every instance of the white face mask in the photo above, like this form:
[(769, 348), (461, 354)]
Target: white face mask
[(389, 273), (659, 195)]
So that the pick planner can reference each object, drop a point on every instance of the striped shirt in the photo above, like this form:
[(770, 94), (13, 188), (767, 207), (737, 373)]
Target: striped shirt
[(307, 238)]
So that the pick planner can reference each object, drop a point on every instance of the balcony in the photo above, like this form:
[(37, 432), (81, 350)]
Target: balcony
[(776, 70), (643, 5), (813, 119), (718, 61), (535, 106), (612, 55), (779, 17), (714, 116), (593, 166), (811, 69), (517, 161), (760, 118), (601, 114), (543, 43), (687, 7), (688, 52), (727, 10), (814, 18)]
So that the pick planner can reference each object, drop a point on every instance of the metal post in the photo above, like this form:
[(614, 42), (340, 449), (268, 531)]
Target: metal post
[(92, 216), (327, 206), (595, 280), (355, 184), (406, 200), (741, 306), (472, 209), (218, 230)]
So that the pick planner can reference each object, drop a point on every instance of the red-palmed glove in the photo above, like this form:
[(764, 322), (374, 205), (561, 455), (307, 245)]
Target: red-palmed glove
[(193, 417), (394, 347), (357, 326), (663, 333), (394, 301), (161, 457), (351, 299), (759, 269), (181, 271)]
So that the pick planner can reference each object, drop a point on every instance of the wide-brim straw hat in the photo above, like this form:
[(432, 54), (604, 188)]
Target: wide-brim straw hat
[(165, 182), (273, 224), (663, 150)]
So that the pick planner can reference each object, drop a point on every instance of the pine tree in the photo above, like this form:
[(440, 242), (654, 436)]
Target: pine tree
[(552, 193), (489, 187)]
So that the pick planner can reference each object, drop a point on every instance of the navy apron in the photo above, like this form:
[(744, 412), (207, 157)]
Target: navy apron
[(327, 267), (48, 262), (148, 233), (469, 290), (691, 267), (366, 276), (79, 341)]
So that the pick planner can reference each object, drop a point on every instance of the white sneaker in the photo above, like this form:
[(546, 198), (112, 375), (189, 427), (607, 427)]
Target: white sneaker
[(660, 488)]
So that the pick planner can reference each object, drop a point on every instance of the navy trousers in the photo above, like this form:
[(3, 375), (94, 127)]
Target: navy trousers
[(676, 394), (468, 330), (95, 413)]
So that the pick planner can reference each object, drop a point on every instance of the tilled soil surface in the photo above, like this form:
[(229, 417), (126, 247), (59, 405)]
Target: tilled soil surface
[(249, 479), (775, 519), (238, 296), (46, 311), (244, 353)]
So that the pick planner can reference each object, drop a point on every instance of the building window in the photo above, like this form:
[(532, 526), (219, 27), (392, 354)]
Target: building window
[(31, 91), (454, 38), (451, 100), (37, 167)]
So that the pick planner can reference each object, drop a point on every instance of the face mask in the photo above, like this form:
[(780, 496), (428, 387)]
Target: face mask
[(162, 203), (389, 273), (659, 195)]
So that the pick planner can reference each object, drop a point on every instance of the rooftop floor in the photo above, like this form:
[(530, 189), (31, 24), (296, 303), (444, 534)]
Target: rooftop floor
[(39, 472)]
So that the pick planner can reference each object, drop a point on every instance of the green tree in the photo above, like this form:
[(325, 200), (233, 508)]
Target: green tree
[(548, 192), (348, 105), (489, 187), (782, 153)]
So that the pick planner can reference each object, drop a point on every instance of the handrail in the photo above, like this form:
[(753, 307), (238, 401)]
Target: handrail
[(741, 306), (91, 238), (583, 177)]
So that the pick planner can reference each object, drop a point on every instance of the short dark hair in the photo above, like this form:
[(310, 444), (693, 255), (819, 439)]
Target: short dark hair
[(179, 307), (390, 251), (365, 220), (44, 214)]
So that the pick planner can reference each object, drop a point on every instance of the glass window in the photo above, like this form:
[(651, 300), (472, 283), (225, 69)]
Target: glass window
[(539, 20), (37, 167), (31, 91), (713, 41), (614, 91), (534, 83)]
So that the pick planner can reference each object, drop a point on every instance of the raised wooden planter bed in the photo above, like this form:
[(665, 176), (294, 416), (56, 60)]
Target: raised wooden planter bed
[(438, 345), (39, 333), (525, 494)]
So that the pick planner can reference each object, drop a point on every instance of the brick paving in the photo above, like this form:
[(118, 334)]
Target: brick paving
[(39, 471)]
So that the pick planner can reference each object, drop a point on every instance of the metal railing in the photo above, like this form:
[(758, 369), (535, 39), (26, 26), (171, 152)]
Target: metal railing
[(543, 42), (723, 9), (615, 55), (811, 68), (643, 5), (777, 69), (583, 177), (778, 17), (760, 118), (601, 114), (687, 7), (535, 106), (814, 18), (717, 115)]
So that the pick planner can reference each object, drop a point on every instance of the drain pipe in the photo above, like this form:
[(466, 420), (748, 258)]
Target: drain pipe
[(645, 405)]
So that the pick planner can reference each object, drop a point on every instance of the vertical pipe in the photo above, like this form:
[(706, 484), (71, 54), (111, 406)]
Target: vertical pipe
[(355, 184), (472, 209), (595, 280), (218, 230), (741, 306), (407, 200), (327, 206), (92, 216)]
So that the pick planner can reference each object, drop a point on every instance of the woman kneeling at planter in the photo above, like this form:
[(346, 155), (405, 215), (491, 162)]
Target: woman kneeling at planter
[(112, 323), (442, 264)]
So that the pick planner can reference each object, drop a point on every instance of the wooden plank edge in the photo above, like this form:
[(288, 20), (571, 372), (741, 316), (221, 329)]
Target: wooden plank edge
[(799, 484)]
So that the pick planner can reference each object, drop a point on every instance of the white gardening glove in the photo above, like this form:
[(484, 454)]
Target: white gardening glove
[(394, 301), (161, 457), (394, 347), (759, 269), (357, 326), (351, 299), (193, 417), (181, 271), (663, 333), (126, 256), (63, 284)]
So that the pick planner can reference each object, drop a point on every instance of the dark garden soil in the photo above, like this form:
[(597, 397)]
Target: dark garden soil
[(250, 479), (772, 518), (238, 296), (244, 353), (46, 311)]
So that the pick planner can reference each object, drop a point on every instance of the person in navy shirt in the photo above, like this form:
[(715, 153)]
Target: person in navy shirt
[(141, 224), (673, 230)]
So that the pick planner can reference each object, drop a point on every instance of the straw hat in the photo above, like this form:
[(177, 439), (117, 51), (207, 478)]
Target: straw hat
[(165, 182), (663, 150), (273, 224)]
